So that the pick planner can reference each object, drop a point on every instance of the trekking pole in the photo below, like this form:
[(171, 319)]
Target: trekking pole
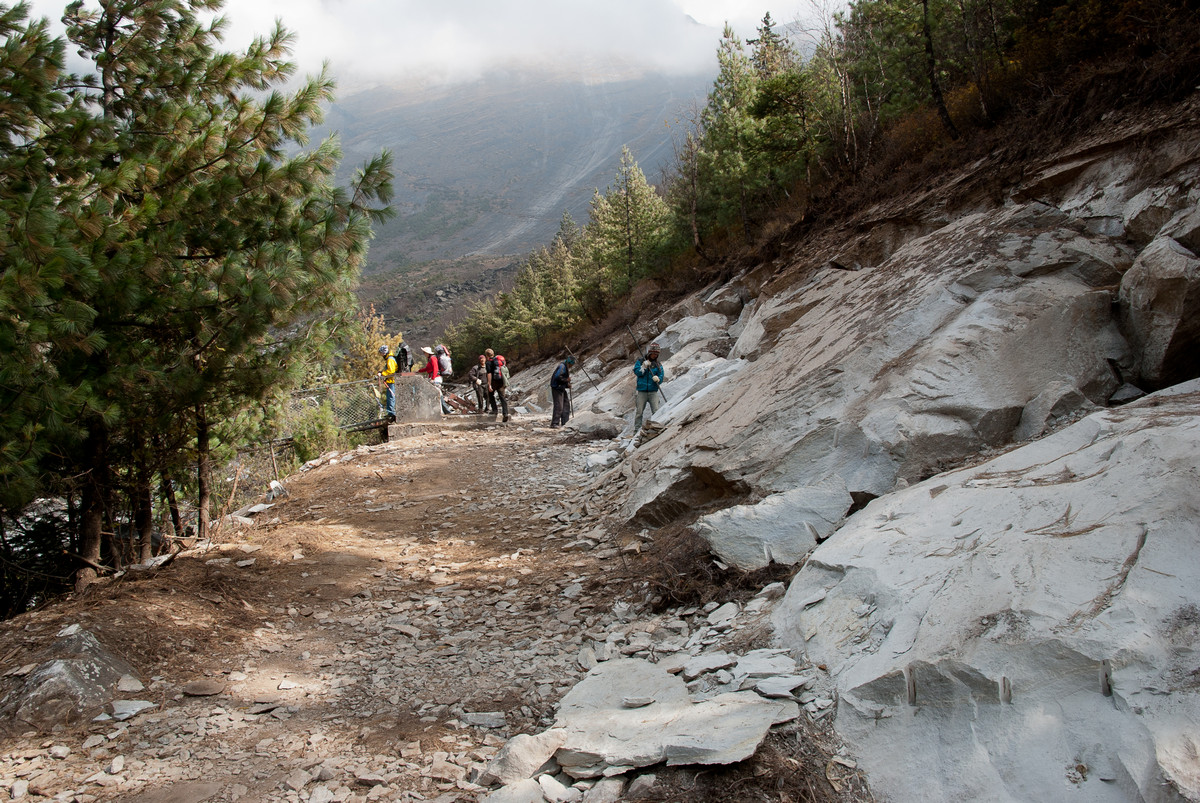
[(639, 348), (585, 371)]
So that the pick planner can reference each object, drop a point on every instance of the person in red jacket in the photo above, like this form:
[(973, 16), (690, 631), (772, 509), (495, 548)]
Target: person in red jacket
[(431, 367)]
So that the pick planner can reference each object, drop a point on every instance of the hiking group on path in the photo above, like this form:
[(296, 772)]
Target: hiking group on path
[(489, 379)]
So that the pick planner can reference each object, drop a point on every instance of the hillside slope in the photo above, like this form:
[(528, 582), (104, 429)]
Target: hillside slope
[(485, 171), (488, 168), (808, 396)]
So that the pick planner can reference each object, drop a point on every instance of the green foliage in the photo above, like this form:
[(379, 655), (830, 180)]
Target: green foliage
[(625, 231), (315, 432), (175, 253), (360, 341)]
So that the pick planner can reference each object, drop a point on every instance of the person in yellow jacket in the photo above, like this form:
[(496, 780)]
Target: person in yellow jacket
[(388, 375)]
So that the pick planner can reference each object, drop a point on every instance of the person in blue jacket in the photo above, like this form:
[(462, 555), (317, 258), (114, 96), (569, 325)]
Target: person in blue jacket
[(560, 386), (650, 374)]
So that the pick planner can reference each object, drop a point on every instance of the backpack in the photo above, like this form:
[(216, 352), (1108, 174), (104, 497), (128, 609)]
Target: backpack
[(501, 372), (443, 356)]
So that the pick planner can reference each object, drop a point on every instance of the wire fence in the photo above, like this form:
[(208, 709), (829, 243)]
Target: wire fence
[(355, 405)]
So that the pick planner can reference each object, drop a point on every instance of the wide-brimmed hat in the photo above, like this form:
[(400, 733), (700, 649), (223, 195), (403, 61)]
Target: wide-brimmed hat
[(427, 350)]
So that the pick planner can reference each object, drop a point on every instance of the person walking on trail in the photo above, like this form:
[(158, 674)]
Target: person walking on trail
[(477, 376), (650, 375), (497, 373), (560, 387), (388, 375)]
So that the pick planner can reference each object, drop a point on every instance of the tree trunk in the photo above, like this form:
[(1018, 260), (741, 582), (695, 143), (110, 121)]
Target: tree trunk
[(143, 514), (203, 488), (95, 490), (935, 87)]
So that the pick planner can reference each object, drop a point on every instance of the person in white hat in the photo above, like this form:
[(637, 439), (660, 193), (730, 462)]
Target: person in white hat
[(431, 367)]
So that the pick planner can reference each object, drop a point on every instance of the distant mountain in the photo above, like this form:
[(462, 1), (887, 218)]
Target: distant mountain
[(489, 167), (485, 170)]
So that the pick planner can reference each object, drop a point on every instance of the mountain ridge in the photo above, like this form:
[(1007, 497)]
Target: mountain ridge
[(485, 171)]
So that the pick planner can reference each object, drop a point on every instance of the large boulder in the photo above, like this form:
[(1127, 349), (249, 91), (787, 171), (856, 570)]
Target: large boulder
[(74, 682), (417, 399), (782, 528), (1024, 629), (1160, 310)]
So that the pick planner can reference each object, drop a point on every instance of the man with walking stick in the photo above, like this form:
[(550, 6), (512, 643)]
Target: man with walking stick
[(650, 375), (388, 375), (560, 389)]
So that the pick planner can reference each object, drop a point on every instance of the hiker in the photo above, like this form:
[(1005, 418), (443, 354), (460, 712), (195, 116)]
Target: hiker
[(404, 359), (497, 377), (477, 376), (388, 375), (431, 367), (649, 374), (445, 367), (560, 386)]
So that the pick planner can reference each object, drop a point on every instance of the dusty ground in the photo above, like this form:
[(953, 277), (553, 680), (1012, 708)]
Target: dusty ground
[(350, 636)]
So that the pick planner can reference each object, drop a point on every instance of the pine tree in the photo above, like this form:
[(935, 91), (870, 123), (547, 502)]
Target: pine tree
[(44, 275), (627, 227), (773, 53), (728, 131), (210, 250)]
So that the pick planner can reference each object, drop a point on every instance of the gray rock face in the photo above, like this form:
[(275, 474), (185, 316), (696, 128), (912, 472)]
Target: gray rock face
[(858, 379), (1160, 308), (965, 331), (69, 688), (998, 627), (602, 733), (782, 528)]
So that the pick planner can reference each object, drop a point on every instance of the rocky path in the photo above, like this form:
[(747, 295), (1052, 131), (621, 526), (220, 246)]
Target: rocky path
[(378, 635)]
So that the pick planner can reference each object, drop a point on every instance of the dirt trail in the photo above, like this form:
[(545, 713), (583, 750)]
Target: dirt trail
[(392, 596), (381, 632)]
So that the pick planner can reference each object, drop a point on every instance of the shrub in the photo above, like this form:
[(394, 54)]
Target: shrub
[(315, 432)]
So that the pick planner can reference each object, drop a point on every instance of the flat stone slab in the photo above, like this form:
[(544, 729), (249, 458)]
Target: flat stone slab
[(179, 793), (601, 732), (203, 688), (708, 662)]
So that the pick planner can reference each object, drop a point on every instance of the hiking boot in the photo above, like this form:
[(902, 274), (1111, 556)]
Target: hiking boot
[(505, 419), (391, 418)]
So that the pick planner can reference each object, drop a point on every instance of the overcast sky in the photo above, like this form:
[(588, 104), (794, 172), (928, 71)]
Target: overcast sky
[(378, 40)]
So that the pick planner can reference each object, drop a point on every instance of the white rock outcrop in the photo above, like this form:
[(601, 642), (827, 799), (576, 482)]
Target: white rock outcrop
[(1024, 629)]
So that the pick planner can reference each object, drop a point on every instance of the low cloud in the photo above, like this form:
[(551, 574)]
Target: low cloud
[(462, 39), (373, 41)]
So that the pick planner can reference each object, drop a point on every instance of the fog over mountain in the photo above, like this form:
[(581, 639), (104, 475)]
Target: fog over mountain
[(489, 167)]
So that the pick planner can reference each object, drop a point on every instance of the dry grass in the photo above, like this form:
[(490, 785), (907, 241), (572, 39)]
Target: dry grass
[(803, 765)]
